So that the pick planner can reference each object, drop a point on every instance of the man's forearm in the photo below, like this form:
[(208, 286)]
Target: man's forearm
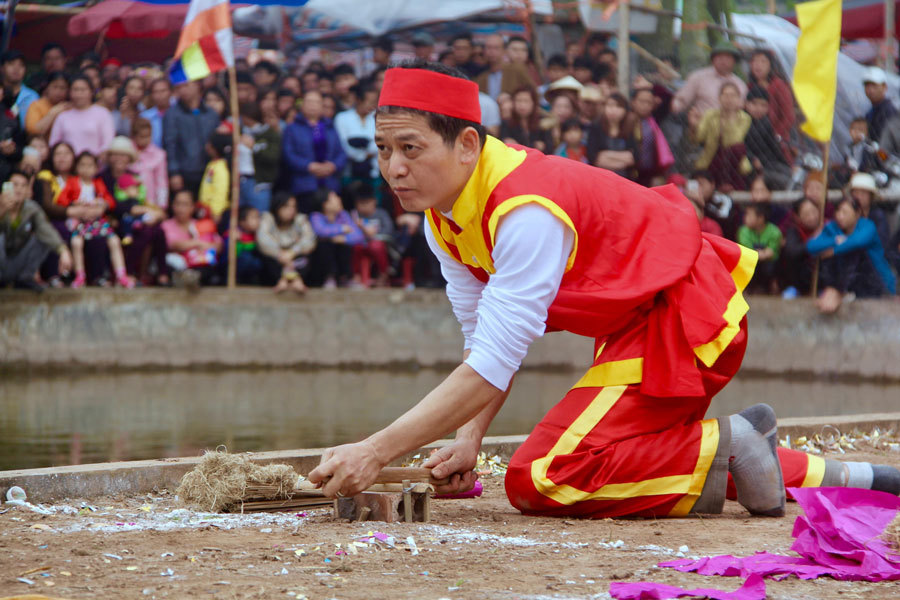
[(459, 399), (475, 429)]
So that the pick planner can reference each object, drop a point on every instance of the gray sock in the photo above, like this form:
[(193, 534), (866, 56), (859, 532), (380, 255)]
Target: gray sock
[(754, 464), (861, 475)]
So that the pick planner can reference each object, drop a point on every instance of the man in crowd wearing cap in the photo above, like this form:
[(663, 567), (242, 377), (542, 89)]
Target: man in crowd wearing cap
[(530, 243), (500, 76), (423, 45), (18, 96), (883, 109), (701, 90)]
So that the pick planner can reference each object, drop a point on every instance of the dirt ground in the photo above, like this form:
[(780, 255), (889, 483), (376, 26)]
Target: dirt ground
[(149, 547)]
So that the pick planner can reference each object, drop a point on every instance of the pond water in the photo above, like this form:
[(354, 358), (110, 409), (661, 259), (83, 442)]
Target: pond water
[(48, 421)]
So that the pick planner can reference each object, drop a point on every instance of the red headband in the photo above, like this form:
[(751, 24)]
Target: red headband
[(432, 92)]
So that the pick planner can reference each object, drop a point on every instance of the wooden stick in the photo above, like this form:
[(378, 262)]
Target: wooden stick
[(363, 513), (235, 179), (815, 277), (400, 474), (407, 502)]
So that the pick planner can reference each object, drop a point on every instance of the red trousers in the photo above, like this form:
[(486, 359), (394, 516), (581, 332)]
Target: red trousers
[(608, 450), (365, 254)]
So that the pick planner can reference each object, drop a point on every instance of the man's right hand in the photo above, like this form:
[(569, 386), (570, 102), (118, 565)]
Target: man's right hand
[(456, 462)]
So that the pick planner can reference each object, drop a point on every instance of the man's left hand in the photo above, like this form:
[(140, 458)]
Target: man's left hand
[(347, 470), (456, 463)]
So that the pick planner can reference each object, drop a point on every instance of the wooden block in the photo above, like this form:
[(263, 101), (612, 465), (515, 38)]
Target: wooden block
[(407, 501), (383, 506), (389, 507)]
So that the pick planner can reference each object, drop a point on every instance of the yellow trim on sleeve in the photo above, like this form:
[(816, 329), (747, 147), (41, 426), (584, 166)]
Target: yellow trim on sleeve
[(815, 471), (516, 201), (737, 307)]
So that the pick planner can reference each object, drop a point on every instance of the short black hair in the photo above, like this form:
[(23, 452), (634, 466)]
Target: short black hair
[(85, 154), (278, 201), (221, 143), (52, 46), (557, 60), (384, 44), (343, 69), (268, 66), (363, 87), (19, 172), (517, 38), (448, 128), (853, 202), (607, 50), (757, 93), (760, 210), (583, 62), (244, 211), (243, 77), (572, 123), (462, 36), (702, 174), (859, 120), (636, 91), (356, 191)]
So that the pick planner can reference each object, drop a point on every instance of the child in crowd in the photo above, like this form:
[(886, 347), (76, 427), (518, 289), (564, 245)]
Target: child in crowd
[(131, 206), (194, 244), (572, 145), (86, 190), (285, 239), (796, 262), (861, 153), (215, 189), (337, 234), (249, 260), (691, 190), (761, 194), (764, 237), (378, 228), (763, 145), (718, 206)]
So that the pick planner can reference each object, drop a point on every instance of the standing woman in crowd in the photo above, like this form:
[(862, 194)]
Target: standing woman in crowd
[(130, 106), (721, 131), (610, 141), (43, 111), (524, 127), (86, 126), (781, 101), (312, 153)]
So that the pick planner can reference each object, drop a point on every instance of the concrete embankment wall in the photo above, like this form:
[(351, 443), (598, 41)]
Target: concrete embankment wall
[(161, 328)]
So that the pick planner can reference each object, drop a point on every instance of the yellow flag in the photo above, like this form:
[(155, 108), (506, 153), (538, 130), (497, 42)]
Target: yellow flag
[(815, 72)]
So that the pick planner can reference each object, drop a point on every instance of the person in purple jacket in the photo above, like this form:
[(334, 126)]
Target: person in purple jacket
[(337, 235), (312, 154)]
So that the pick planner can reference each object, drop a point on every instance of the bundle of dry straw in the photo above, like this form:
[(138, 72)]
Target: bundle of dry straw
[(221, 480), (892, 533)]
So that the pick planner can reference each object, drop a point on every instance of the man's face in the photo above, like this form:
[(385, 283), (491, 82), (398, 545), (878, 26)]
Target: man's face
[(421, 169), (758, 108), (343, 83), (556, 72), (246, 93), (462, 51), (21, 190), (160, 95), (53, 60), (424, 52), (14, 72), (723, 63), (262, 77), (518, 52), (493, 50), (190, 92), (875, 92)]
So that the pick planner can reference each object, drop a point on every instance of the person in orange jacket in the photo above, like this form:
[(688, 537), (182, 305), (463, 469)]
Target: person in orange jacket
[(531, 243)]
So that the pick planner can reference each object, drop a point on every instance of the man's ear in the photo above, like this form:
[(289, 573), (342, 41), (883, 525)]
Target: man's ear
[(469, 143)]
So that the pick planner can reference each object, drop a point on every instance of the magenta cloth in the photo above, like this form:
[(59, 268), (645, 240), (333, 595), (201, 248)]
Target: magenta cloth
[(753, 589), (839, 536), (663, 152), (473, 493)]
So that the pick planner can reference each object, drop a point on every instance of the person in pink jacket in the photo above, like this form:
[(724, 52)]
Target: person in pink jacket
[(150, 163), (87, 127)]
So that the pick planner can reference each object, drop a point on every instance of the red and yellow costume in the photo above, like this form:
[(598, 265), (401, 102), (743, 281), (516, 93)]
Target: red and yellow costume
[(665, 306)]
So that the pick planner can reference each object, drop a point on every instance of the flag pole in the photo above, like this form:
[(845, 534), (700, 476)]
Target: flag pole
[(825, 161), (235, 178)]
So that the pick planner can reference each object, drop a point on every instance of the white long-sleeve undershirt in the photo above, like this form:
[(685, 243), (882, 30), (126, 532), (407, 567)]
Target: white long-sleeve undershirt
[(502, 318)]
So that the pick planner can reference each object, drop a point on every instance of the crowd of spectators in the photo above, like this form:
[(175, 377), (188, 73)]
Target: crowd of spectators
[(114, 177)]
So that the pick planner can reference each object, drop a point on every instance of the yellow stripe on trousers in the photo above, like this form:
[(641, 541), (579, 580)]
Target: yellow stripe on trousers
[(589, 418)]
